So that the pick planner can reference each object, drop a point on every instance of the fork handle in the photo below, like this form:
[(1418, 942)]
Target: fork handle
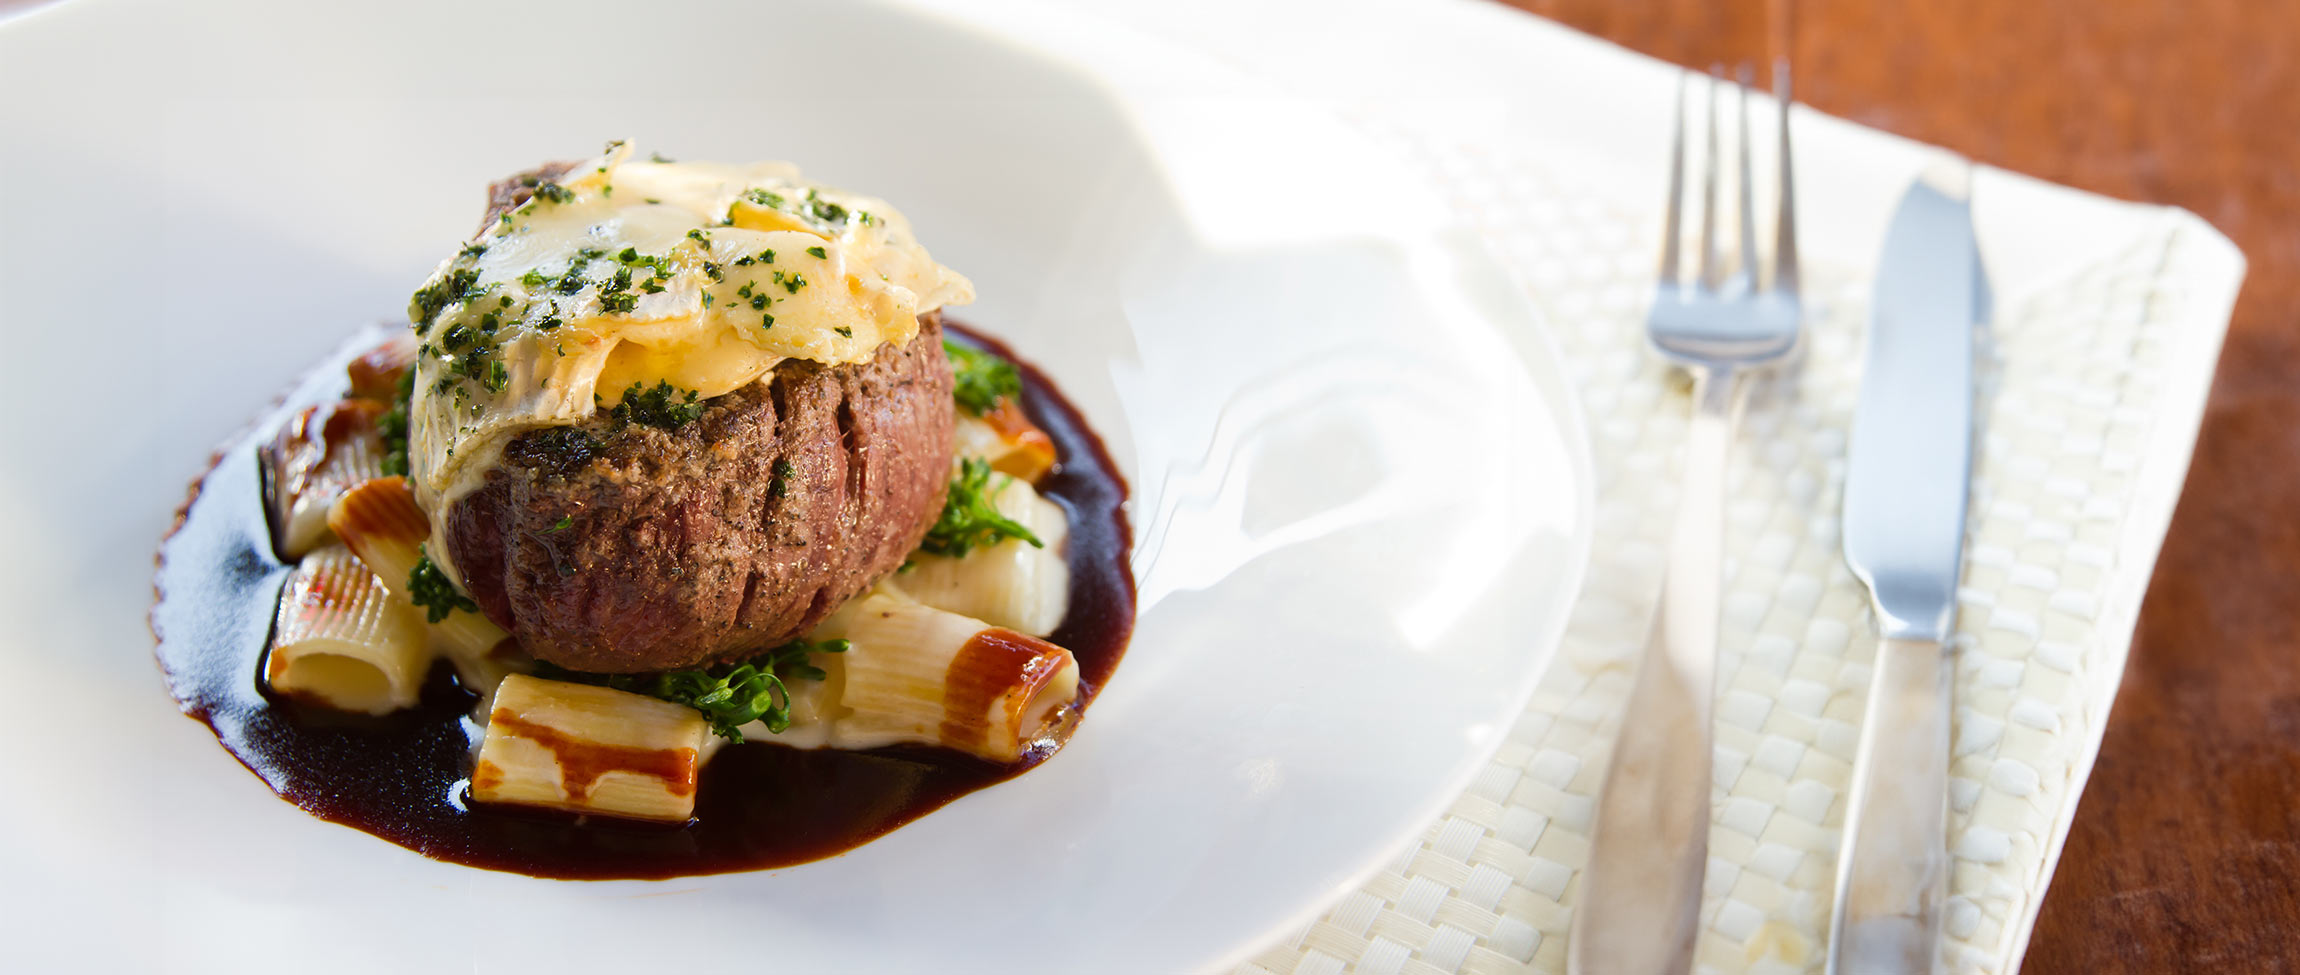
[(1640, 903), (1893, 866)]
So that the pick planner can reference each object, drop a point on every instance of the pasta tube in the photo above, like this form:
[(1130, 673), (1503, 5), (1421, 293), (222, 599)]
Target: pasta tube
[(376, 373), (381, 523), (918, 674), (343, 640), (322, 452), (1006, 438), (586, 749), (1013, 584)]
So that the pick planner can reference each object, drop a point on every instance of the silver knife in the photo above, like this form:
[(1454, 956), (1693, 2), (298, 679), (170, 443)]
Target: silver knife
[(1904, 536)]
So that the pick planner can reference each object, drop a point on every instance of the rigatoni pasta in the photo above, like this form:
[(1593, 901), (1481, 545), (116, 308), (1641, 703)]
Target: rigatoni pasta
[(321, 452), (916, 674), (380, 522), (1004, 436), (377, 374), (1013, 583), (342, 639), (594, 750)]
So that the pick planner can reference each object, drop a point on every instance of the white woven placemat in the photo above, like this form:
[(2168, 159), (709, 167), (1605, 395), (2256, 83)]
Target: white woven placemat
[(2089, 392)]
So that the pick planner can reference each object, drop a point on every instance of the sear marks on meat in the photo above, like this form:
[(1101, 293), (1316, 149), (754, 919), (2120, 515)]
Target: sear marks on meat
[(506, 195), (625, 548)]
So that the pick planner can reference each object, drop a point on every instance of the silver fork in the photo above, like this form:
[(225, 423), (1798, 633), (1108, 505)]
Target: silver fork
[(1640, 901)]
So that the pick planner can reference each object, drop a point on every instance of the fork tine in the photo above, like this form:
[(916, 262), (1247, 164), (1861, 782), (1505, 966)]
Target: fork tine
[(1708, 274), (1746, 273), (1785, 225), (1671, 242)]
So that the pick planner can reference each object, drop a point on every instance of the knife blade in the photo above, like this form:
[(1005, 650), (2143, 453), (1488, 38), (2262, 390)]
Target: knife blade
[(1904, 527)]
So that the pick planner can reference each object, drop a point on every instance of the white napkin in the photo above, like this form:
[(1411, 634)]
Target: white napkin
[(2108, 320)]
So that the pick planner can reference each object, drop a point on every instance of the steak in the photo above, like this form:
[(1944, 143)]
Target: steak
[(621, 548), (626, 548)]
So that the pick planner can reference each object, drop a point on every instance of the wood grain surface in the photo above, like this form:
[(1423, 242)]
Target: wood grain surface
[(2185, 853)]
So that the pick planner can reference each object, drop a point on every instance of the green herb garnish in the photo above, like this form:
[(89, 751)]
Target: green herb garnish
[(460, 284), (659, 407), (729, 695), (969, 518), (393, 426), (982, 379), (824, 210), (428, 587)]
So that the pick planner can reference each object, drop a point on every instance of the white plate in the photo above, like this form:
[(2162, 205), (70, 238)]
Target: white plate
[(1361, 494)]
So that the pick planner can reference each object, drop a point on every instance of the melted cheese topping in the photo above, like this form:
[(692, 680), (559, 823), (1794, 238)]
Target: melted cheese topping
[(623, 275)]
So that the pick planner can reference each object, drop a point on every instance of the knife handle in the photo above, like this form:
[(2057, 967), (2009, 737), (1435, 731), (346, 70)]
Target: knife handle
[(1892, 868), (1639, 907)]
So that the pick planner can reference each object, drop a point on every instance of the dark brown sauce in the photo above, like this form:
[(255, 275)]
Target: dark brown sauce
[(402, 777)]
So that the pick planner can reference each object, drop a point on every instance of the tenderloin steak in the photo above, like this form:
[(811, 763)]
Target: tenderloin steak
[(620, 548), (625, 548)]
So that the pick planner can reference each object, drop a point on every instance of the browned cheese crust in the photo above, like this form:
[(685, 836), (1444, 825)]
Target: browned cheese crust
[(621, 548)]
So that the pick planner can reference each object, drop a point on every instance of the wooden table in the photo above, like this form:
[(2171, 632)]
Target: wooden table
[(2185, 853)]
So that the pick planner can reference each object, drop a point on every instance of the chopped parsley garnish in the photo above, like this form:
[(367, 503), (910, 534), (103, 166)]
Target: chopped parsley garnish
[(565, 522), (728, 695), (558, 450), (969, 519), (459, 339), (428, 587), (782, 474), (460, 284), (818, 253), (766, 199), (555, 193), (845, 331), (659, 407), (393, 426), (825, 210), (982, 378)]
